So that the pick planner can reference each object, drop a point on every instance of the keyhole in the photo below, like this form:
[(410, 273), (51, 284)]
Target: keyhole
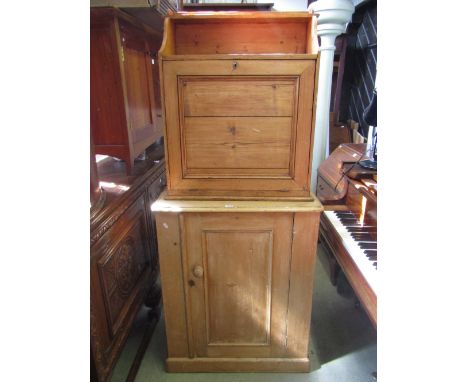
[(191, 283), (234, 65)]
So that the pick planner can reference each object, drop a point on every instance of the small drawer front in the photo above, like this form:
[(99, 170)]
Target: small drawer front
[(235, 96), (235, 143)]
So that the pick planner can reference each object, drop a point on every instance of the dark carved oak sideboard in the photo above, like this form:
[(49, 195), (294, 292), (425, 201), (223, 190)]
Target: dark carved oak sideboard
[(124, 255)]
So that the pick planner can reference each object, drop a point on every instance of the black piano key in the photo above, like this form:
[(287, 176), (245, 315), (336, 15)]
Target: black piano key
[(370, 252), (362, 237), (364, 228), (375, 264), (372, 257), (349, 222), (343, 212), (368, 245)]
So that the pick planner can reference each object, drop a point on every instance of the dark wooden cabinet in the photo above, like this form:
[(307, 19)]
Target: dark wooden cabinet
[(124, 261), (125, 114)]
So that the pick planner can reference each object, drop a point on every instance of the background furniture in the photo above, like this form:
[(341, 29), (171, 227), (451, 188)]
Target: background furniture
[(124, 255), (125, 109)]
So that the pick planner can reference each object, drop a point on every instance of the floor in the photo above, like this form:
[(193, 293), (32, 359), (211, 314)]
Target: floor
[(343, 346)]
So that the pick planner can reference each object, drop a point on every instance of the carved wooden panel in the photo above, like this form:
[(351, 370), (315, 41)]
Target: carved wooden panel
[(122, 268), (120, 278)]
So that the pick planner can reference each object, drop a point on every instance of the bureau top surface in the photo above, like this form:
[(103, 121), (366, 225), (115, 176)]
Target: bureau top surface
[(245, 15), (165, 205)]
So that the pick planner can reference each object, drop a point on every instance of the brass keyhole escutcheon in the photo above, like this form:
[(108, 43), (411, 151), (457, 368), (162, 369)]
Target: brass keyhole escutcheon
[(197, 271)]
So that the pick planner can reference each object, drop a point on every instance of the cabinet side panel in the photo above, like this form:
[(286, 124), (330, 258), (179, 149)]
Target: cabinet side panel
[(170, 262), (107, 117), (304, 249)]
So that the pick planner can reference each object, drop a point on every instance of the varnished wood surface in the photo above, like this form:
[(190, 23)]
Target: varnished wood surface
[(228, 96), (115, 181), (363, 291), (239, 303), (240, 56), (209, 142), (239, 65), (292, 177), (239, 37), (300, 16), (124, 260), (124, 119), (332, 183), (240, 285), (354, 196), (168, 230), (165, 205), (219, 365), (226, 6)]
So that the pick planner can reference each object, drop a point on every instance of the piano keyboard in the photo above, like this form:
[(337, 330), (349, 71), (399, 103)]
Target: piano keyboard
[(357, 240)]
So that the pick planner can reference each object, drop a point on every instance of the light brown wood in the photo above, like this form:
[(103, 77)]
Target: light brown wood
[(240, 56), (216, 365), (313, 45), (228, 96), (239, 308), (239, 100), (248, 281), (225, 38), (239, 64), (235, 205), (304, 246), (295, 182), (170, 262), (240, 195), (168, 43), (236, 145), (220, 16)]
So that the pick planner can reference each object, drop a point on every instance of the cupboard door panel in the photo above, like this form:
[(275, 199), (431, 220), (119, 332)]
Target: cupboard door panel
[(238, 280), (237, 272)]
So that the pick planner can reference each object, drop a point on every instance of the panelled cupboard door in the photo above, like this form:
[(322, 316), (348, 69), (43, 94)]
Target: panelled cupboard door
[(139, 88), (243, 125), (237, 273)]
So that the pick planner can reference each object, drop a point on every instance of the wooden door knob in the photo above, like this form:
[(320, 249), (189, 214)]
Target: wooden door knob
[(197, 271)]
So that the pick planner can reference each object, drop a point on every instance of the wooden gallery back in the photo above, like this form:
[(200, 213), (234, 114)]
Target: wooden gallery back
[(237, 226)]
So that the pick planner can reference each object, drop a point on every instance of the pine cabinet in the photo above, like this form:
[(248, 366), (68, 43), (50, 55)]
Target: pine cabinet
[(238, 225), (125, 117), (237, 283)]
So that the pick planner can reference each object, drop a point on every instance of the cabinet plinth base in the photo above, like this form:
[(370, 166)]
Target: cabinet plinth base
[(194, 365)]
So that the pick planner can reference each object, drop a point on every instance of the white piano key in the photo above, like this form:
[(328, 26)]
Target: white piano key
[(357, 254)]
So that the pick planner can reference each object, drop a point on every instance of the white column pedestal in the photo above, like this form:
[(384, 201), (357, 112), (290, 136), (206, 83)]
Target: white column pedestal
[(333, 17)]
